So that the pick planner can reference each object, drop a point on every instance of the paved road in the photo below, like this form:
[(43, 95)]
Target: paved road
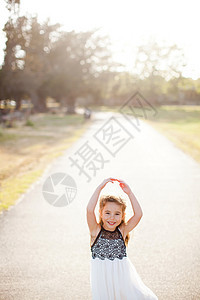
[(44, 250)]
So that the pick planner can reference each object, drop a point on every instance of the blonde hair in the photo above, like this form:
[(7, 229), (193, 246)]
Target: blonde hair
[(102, 202)]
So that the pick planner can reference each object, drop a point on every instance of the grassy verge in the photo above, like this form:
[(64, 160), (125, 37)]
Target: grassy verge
[(181, 124), (25, 151)]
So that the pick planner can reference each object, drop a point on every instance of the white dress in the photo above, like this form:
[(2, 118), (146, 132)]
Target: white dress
[(112, 275)]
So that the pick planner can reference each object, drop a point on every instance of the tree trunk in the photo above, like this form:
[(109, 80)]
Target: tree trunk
[(71, 105), (18, 104), (42, 105), (39, 104)]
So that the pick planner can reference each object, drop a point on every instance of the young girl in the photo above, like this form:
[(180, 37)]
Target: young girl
[(113, 276)]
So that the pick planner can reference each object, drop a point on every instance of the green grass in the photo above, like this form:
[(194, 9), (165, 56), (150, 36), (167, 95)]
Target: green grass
[(178, 114), (6, 137), (13, 188), (29, 123)]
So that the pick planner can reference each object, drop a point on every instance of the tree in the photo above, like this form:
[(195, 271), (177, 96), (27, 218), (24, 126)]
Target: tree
[(42, 61), (13, 6), (76, 58), (156, 60), (12, 83), (36, 61), (26, 61)]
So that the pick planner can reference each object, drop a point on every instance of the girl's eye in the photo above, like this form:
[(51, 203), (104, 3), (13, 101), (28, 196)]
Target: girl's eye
[(107, 213)]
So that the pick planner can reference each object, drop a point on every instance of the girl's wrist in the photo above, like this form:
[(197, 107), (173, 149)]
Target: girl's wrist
[(130, 193)]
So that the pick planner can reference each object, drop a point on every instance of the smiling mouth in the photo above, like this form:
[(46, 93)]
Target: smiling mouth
[(111, 223)]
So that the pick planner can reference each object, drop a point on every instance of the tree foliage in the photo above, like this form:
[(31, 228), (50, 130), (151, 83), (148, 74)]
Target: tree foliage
[(42, 60)]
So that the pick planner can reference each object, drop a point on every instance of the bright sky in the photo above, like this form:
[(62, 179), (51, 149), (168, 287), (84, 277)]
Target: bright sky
[(128, 22)]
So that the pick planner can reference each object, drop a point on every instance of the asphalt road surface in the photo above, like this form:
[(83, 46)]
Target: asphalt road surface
[(44, 249)]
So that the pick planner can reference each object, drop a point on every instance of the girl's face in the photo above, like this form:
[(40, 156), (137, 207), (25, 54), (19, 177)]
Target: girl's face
[(111, 215)]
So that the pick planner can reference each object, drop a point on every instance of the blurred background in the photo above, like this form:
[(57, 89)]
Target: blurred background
[(72, 52), (60, 58)]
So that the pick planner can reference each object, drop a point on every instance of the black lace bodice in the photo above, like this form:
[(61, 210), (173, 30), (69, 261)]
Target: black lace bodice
[(109, 244)]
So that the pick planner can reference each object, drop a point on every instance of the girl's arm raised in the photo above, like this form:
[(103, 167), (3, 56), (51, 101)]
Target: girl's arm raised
[(93, 200), (91, 218), (133, 221)]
